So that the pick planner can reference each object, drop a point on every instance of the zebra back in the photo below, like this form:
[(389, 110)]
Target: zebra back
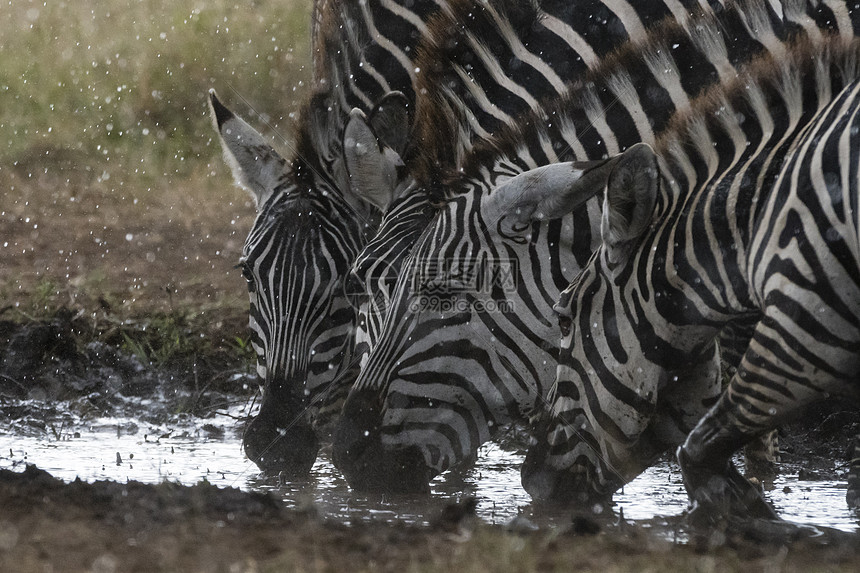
[(483, 64)]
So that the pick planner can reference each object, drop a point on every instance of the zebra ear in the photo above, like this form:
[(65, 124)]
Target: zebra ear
[(255, 165), (372, 166), (631, 192), (546, 192), (390, 121)]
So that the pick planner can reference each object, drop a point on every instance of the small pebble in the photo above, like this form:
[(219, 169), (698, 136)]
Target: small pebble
[(521, 524)]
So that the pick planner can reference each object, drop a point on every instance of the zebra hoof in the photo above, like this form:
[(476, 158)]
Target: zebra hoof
[(277, 448), (721, 492)]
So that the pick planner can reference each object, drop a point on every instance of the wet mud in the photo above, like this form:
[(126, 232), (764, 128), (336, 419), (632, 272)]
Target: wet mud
[(84, 363), (108, 526)]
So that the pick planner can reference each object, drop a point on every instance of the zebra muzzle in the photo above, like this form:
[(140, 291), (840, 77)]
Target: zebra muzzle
[(281, 439)]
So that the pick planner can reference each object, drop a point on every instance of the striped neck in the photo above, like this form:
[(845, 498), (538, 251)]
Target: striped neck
[(485, 64)]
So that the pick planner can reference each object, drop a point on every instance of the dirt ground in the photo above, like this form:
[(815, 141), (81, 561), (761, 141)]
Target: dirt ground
[(82, 240)]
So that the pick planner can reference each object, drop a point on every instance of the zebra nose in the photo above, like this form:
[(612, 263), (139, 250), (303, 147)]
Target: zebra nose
[(281, 439)]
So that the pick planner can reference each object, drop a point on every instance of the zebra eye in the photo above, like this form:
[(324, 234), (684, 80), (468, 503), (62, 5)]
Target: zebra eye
[(246, 271), (565, 323)]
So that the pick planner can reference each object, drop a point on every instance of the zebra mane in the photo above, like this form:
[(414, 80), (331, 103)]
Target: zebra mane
[(318, 130), (455, 34), (560, 121), (324, 21), (580, 100), (339, 40), (723, 108)]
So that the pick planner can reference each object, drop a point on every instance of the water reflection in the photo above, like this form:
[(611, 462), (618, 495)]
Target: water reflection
[(123, 449)]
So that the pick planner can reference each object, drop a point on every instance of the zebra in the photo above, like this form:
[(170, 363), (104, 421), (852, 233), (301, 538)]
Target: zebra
[(442, 380), (747, 206), (310, 222), (466, 91), (460, 75)]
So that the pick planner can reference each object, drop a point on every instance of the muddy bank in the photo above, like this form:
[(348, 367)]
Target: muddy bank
[(89, 362), (106, 526)]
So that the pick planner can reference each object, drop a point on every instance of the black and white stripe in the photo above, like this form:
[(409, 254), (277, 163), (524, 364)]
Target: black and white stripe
[(482, 65), (803, 264), (493, 61)]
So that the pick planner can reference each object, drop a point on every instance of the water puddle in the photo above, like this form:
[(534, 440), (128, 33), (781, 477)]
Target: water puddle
[(191, 450)]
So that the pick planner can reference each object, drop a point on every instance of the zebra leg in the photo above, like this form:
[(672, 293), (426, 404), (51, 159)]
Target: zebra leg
[(713, 482), (786, 367), (853, 495), (761, 454)]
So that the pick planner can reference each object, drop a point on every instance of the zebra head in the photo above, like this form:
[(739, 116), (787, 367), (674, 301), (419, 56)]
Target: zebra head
[(612, 411), (439, 382), (296, 259)]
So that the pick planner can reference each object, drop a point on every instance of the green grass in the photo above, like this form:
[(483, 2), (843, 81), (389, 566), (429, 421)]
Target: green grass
[(118, 89), (164, 339)]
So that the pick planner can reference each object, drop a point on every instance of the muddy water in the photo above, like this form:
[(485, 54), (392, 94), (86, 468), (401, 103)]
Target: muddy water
[(191, 450)]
